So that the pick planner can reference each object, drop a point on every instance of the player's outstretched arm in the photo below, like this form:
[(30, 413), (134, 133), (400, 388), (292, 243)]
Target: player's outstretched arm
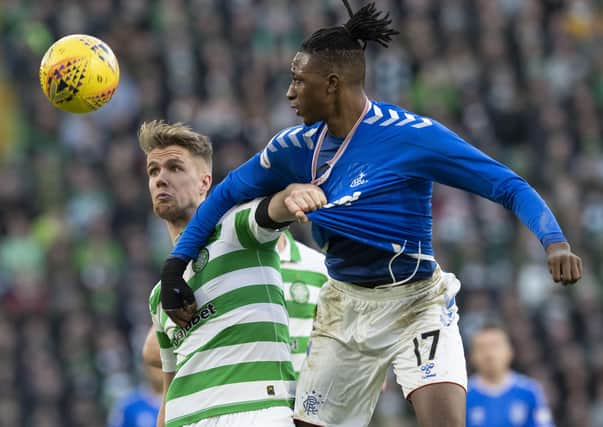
[(249, 181), (447, 159)]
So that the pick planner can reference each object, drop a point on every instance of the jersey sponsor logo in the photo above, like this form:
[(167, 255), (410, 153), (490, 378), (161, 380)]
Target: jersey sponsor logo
[(359, 180), (204, 313), (426, 369), (201, 261), (345, 200), (300, 292), (312, 402)]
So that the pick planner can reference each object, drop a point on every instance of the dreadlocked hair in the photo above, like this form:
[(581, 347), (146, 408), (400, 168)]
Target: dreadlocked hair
[(367, 24)]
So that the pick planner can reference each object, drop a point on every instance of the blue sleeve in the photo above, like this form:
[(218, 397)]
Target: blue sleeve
[(540, 415), (264, 174), (441, 156), (118, 416)]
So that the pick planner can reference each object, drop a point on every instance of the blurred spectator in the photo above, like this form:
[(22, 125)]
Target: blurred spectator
[(520, 79), (140, 407), (496, 395)]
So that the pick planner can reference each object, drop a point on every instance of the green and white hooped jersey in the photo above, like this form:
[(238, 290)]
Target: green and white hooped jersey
[(304, 272), (233, 356)]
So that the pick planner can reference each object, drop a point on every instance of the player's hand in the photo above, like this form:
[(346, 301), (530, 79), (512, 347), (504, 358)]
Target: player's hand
[(303, 198), (564, 265), (178, 302), (177, 299)]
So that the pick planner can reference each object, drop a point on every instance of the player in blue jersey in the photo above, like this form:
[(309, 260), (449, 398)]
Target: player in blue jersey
[(497, 396), (140, 407), (387, 301)]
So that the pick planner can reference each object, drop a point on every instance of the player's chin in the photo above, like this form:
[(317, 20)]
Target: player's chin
[(309, 121), (165, 211)]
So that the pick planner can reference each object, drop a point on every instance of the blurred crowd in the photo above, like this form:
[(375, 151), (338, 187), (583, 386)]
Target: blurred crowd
[(80, 249)]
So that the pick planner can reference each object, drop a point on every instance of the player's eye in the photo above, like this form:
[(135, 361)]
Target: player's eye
[(153, 171), (176, 168)]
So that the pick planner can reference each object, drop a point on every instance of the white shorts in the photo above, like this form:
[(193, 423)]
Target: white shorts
[(279, 416), (359, 332)]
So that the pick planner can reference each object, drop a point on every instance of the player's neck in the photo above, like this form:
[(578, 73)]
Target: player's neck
[(346, 114), (495, 379), (175, 229)]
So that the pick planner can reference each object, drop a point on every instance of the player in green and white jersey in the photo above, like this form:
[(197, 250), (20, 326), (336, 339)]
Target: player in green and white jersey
[(303, 272), (231, 364)]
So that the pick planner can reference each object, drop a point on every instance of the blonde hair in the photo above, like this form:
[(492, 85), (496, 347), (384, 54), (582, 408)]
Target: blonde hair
[(158, 134)]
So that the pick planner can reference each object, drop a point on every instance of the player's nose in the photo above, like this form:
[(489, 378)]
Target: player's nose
[(161, 179), (290, 92)]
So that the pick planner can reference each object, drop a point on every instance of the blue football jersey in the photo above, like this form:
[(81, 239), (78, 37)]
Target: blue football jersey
[(378, 187), (518, 403), (137, 409)]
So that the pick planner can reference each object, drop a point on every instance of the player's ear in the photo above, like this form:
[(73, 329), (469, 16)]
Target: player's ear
[(206, 181), (333, 81)]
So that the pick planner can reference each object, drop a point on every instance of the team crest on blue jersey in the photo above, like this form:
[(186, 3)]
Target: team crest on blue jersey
[(426, 369), (201, 260), (312, 402), (359, 180), (300, 292)]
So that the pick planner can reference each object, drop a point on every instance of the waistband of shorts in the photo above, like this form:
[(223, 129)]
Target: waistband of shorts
[(402, 291)]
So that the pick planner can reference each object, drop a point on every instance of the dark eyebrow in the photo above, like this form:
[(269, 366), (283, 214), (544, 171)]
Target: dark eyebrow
[(175, 161), (167, 162)]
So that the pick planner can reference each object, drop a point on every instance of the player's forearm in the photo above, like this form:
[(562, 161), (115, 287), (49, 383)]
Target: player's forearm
[(273, 213), (161, 414), (461, 165), (535, 214), (150, 350), (277, 209), (290, 204), (201, 225), (167, 380), (249, 181)]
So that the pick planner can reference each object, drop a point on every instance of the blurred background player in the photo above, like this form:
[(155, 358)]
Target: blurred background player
[(140, 407), (496, 395)]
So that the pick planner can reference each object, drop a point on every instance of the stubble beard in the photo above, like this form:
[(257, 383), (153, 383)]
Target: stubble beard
[(176, 214), (171, 214)]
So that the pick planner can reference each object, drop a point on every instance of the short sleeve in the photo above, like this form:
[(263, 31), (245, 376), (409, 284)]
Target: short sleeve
[(166, 350), (248, 231)]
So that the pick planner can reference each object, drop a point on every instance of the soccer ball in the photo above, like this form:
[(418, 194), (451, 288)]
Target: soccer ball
[(79, 73)]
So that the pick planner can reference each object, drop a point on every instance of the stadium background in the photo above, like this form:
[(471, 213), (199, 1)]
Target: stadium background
[(79, 252)]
